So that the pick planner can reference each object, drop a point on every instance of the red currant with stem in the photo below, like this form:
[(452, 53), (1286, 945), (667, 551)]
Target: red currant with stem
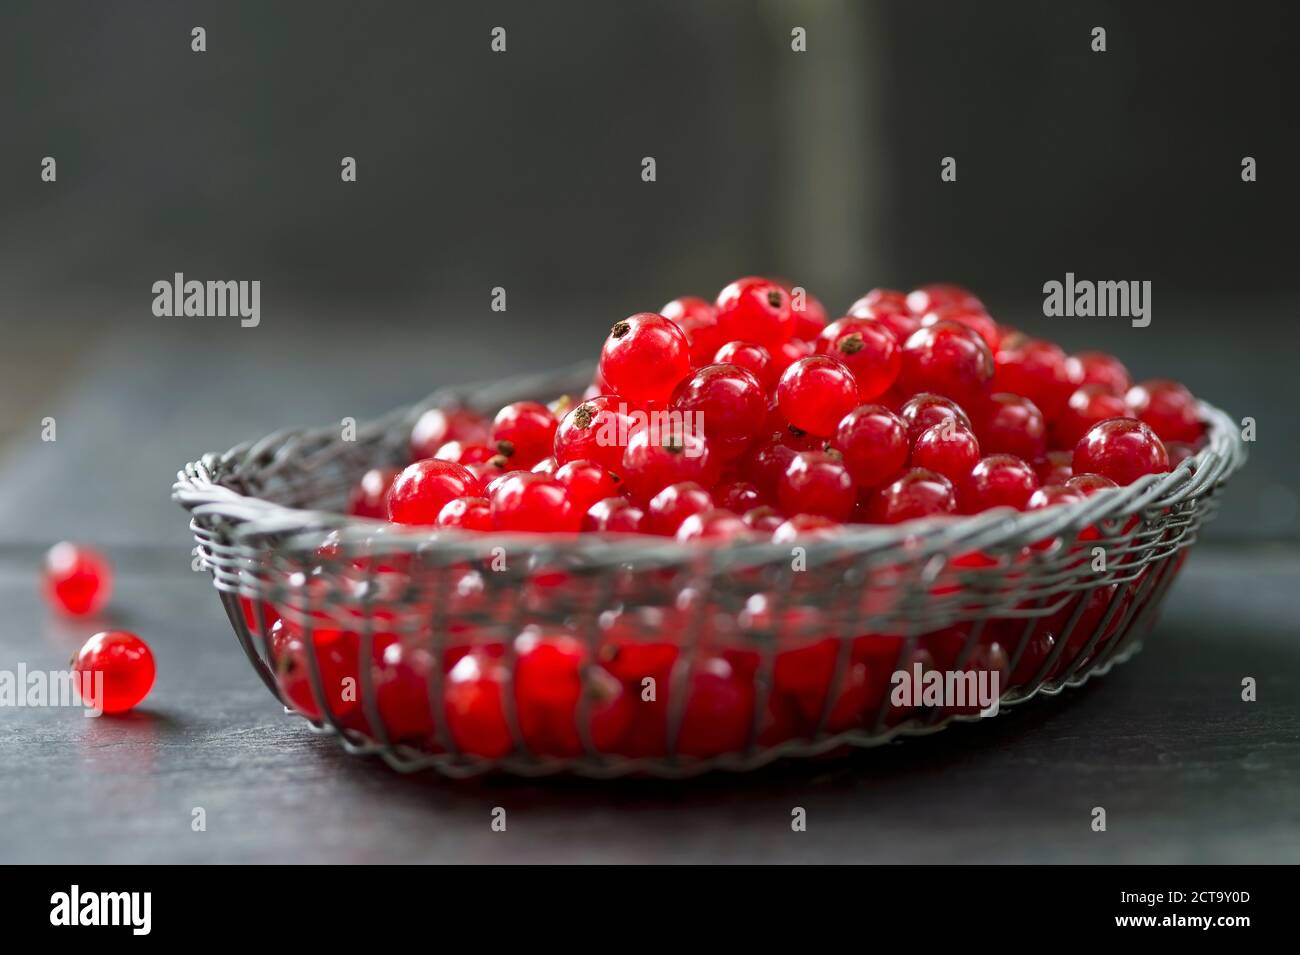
[(534, 503), (596, 430), (488, 471), (524, 431), (998, 480), (1167, 408), (730, 404), (115, 670), (873, 443), (423, 489), (466, 513), (674, 504), (717, 525), (1010, 424), (437, 426), (587, 483), (923, 411), (754, 358), (656, 458), (936, 295), (976, 319), (1038, 370), (871, 352), (698, 319), (644, 357), (917, 493), (614, 515), (474, 702), (815, 393), (1122, 449), (947, 449), (368, 498), (948, 359), (78, 580), (1088, 405), (817, 482), (756, 309), (1099, 368)]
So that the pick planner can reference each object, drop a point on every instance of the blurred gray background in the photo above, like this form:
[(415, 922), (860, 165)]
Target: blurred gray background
[(522, 170)]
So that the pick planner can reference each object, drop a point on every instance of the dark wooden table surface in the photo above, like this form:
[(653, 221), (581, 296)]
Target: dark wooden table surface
[(1184, 768)]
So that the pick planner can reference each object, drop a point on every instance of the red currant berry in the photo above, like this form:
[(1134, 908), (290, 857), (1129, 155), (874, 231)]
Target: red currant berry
[(880, 300), (976, 319), (614, 515), (1122, 449), (1089, 484), (1099, 368), (817, 482), (466, 513), (437, 426), (588, 483), (764, 519), (474, 701), (1010, 424), (922, 412), (698, 320), (524, 432), (656, 458), (423, 489), (547, 465), (1088, 405), (402, 692), (1051, 494), (596, 430), (947, 359), (78, 580), (717, 525), (534, 503), (369, 496), (461, 453), (917, 493), (1055, 467), (1038, 370), (755, 359), (805, 527), (1167, 408), (336, 656), (728, 402), (1179, 451), (719, 710), (756, 309), (871, 352), (549, 685), (673, 505), (765, 463), (808, 313), (738, 496), (947, 449), (927, 298), (815, 393), (873, 443), (644, 358), (115, 670), (999, 480)]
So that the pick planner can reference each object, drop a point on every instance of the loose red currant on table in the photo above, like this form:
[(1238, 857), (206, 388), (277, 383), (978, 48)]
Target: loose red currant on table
[(756, 309), (815, 393), (1010, 424), (596, 430), (115, 670), (730, 404), (437, 426), (1122, 449), (917, 493), (755, 359), (644, 358), (999, 480), (424, 488), (368, 498), (78, 580), (673, 505), (817, 482), (947, 449), (715, 525), (1167, 408), (655, 458), (873, 443), (698, 320), (1088, 405), (614, 515), (534, 503), (587, 483), (869, 350), (467, 513), (524, 432), (923, 411), (947, 359), (1099, 368), (1038, 370)]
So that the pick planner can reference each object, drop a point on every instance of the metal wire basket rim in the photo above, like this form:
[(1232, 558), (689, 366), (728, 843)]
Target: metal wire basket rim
[(199, 491)]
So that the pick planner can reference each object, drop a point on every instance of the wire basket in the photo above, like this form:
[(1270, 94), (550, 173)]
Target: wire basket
[(813, 631)]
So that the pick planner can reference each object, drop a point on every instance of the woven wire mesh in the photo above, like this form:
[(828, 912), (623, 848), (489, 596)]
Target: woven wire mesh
[(1047, 599)]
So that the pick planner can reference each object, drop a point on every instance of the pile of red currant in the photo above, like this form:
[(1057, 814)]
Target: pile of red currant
[(773, 423)]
